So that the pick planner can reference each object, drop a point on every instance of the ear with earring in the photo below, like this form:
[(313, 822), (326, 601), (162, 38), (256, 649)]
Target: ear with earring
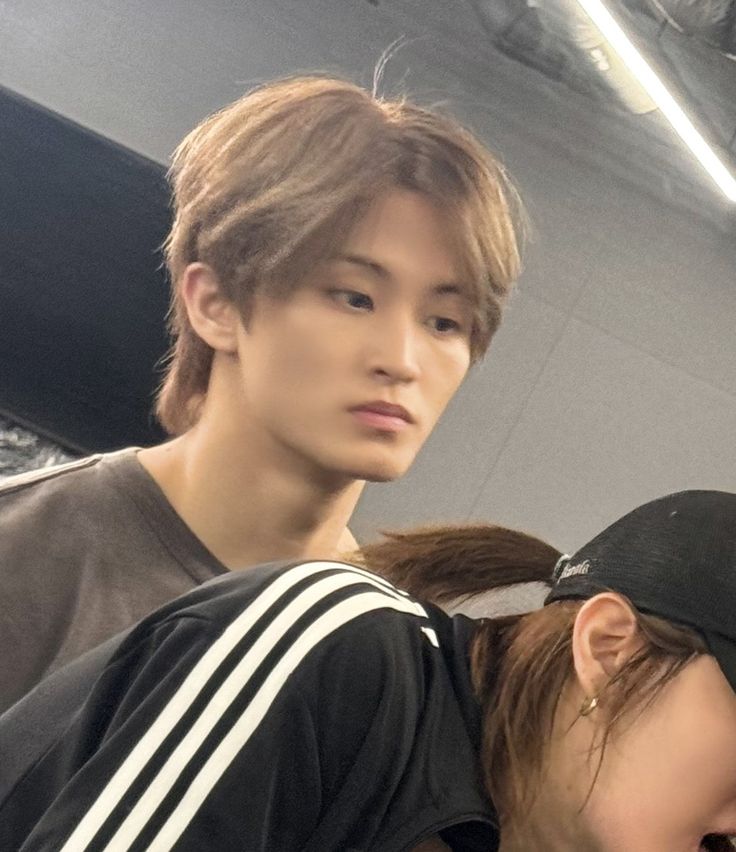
[(588, 705)]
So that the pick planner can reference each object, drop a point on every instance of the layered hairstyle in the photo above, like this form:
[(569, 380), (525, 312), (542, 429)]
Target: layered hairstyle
[(272, 184), (520, 664)]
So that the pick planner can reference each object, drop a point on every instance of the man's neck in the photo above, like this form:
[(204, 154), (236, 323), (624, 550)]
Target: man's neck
[(248, 510)]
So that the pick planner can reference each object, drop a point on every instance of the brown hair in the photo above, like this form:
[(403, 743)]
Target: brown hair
[(273, 183), (526, 661), (522, 661), (440, 564)]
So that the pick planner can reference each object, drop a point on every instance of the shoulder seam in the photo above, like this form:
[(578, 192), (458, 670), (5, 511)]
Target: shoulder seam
[(31, 477)]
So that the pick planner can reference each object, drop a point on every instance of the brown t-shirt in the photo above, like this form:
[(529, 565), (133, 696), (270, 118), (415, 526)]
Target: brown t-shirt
[(86, 550)]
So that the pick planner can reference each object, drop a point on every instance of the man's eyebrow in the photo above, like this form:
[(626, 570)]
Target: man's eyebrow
[(445, 289), (452, 290), (364, 263)]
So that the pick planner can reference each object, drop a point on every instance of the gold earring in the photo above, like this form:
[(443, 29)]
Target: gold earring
[(588, 705)]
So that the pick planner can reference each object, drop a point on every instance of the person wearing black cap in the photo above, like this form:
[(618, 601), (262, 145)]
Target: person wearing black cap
[(314, 706), (674, 557), (671, 565)]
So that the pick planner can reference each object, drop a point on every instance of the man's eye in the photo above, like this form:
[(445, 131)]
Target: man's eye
[(445, 325), (352, 298)]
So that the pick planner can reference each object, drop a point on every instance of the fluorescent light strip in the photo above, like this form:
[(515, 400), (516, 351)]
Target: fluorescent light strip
[(657, 91)]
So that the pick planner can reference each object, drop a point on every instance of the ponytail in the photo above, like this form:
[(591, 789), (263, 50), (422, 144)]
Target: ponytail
[(440, 564)]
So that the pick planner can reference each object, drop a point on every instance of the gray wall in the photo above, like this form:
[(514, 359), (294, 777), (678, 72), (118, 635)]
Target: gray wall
[(613, 379)]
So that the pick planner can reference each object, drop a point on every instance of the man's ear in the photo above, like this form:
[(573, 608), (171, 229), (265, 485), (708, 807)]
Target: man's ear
[(212, 316), (606, 634)]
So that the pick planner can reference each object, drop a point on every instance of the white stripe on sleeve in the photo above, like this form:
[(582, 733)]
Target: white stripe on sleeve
[(197, 680), (246, 725)]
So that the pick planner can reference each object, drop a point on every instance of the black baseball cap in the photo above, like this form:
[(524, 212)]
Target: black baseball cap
[(674, 557)]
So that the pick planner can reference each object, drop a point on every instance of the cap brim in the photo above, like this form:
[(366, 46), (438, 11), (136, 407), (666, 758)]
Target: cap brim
[(724, 650)]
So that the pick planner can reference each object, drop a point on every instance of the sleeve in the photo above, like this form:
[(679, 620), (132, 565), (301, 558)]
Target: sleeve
[(292, 752)]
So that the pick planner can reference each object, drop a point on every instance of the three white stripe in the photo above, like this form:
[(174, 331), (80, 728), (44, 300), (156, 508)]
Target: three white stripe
[(248, 722)]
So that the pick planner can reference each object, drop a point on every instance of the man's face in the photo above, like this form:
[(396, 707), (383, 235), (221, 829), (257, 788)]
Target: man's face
[(385, 322)]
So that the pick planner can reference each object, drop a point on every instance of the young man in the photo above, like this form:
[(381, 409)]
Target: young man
[(337, 263)]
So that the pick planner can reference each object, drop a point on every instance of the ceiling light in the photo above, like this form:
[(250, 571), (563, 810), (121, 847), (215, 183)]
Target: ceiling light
[(658, 92)]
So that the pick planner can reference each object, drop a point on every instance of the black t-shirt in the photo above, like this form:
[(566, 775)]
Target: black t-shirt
[(306, 706)]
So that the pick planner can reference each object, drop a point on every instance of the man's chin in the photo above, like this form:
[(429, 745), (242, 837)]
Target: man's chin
[(368, 466), (379, 471)]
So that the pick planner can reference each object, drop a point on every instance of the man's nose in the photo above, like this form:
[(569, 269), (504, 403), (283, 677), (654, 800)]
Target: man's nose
[(395, 347)]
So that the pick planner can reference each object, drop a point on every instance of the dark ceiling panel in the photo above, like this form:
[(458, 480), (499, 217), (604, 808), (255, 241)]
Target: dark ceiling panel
[(82, 294)]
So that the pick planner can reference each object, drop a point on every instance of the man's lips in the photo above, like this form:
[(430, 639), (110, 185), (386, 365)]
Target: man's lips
[(383, 415)]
